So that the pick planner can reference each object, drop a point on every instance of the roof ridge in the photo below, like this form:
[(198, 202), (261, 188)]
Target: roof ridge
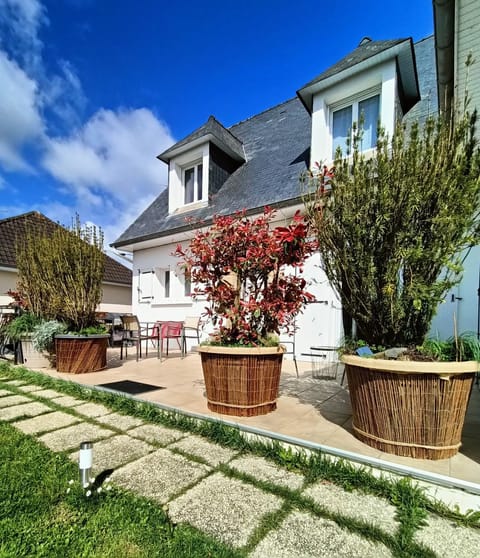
[(15, 217)]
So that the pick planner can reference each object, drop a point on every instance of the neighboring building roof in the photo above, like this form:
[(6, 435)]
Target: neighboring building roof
[(213, 131), (276, 144), (366, 54), (13, 229)]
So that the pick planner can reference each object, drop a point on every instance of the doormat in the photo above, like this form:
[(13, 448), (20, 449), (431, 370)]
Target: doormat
[(131, 387)]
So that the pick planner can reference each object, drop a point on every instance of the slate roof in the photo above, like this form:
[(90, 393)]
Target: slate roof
[(13, 229), (277, 150), (222, 137)]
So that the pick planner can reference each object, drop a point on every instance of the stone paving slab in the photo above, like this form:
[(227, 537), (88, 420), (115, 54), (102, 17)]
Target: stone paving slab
[(122, 422), (67, 401), (46, 422), (4, 392), (355, 504), (116, 451), (25, 410), (71, 437), (14, 400), (302, 535), (227, 509), (47, 393), (212, 453), (31, 387), (261, 469), (92, 410), (448, 539), (15, 382), (160, 475), (157, 434)]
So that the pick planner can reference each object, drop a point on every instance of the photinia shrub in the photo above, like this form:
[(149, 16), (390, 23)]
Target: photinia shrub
[(250, 274)]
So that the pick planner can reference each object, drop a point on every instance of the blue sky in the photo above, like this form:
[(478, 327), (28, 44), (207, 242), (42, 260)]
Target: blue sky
[(92, 90)]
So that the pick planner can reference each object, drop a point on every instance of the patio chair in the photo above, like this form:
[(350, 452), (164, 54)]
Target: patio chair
[(191, 330), (171, 330), (135, 333), (290, 346)]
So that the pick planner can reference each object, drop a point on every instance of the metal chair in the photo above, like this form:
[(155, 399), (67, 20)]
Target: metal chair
[(134, 333), (191, 330), (171, 330), (291, 351)]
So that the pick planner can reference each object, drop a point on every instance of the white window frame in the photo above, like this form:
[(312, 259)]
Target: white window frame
[(195, 166), (354, 102)]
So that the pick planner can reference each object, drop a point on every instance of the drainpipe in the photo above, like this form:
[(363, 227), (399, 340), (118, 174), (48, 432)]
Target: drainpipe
[(444, 26)]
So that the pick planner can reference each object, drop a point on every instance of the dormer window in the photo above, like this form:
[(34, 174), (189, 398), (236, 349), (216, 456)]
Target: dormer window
[(365, 112), (193, 183)]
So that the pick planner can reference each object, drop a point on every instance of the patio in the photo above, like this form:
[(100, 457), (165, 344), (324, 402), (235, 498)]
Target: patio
[(312, 409)]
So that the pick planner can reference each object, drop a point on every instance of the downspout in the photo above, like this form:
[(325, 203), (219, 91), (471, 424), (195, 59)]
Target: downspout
[(444, 26)]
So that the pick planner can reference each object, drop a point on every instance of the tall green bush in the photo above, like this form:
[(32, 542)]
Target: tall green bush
[(61, 272), (392, 229)]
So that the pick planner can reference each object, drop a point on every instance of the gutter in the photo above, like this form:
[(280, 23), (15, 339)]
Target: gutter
[(444, 28)]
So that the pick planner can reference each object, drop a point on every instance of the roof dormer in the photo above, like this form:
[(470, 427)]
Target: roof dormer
[(199, 165)]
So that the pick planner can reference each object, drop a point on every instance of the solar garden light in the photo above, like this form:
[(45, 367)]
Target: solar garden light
[(85, 462)]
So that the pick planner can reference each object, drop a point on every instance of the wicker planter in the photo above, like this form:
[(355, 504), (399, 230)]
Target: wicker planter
[(241, 382), (77, 354), (414, 409), (33, 358)]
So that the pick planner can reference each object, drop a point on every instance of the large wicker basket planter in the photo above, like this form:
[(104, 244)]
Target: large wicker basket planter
[(77, 354), (413, 409), (241, 382)]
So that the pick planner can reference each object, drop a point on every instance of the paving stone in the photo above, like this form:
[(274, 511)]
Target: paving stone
[(116, 451), (212, 453), (30, 387), (448, 539), (158, 434), (4, 392), (67, 401), (159, 475), (355, 504), (227, 509), (15, 382), (302, 535), (262, 469), (25, 410), (71, 437), (46, 423), (122, 422), (48, 393), (14, 400), (92, 410)]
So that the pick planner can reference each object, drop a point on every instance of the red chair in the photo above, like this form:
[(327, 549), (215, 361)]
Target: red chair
[(170, 330)]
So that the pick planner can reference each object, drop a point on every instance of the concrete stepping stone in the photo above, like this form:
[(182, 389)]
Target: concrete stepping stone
[(67, 401), (122, 422), (305, 536), (92, 410), (71, 437), (25, 410), (264, 470), (115, 452), (46, 422), (31, 387), (15, 382), (4, 392), (159, 475), (227, 509), (212, 453), (157, 434), (448, 539), (47, 393), (14, 400), (357, 505)]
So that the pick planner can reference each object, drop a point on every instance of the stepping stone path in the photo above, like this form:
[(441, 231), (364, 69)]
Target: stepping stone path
[(237, 498)]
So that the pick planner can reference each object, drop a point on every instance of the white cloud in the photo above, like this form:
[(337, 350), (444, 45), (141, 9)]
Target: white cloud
[(20, 119)]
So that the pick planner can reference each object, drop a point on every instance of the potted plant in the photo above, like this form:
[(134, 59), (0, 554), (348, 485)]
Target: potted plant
[(392, 232), (245, 269), (60, 276), (19, 331)]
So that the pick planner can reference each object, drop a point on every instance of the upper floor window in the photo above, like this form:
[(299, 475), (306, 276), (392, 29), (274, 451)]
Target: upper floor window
[(367, 113), (193, 183)]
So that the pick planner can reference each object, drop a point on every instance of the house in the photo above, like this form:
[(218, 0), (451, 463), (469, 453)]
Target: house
[(117, 283), (258, 162)]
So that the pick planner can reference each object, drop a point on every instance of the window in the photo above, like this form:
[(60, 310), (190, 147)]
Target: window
[(167, 283), (193, 183), (366, 112), (187, 286)]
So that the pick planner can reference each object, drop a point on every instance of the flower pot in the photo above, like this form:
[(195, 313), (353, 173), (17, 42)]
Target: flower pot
[(33, 358), (77, 354), (413, 409), (241, 381)]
